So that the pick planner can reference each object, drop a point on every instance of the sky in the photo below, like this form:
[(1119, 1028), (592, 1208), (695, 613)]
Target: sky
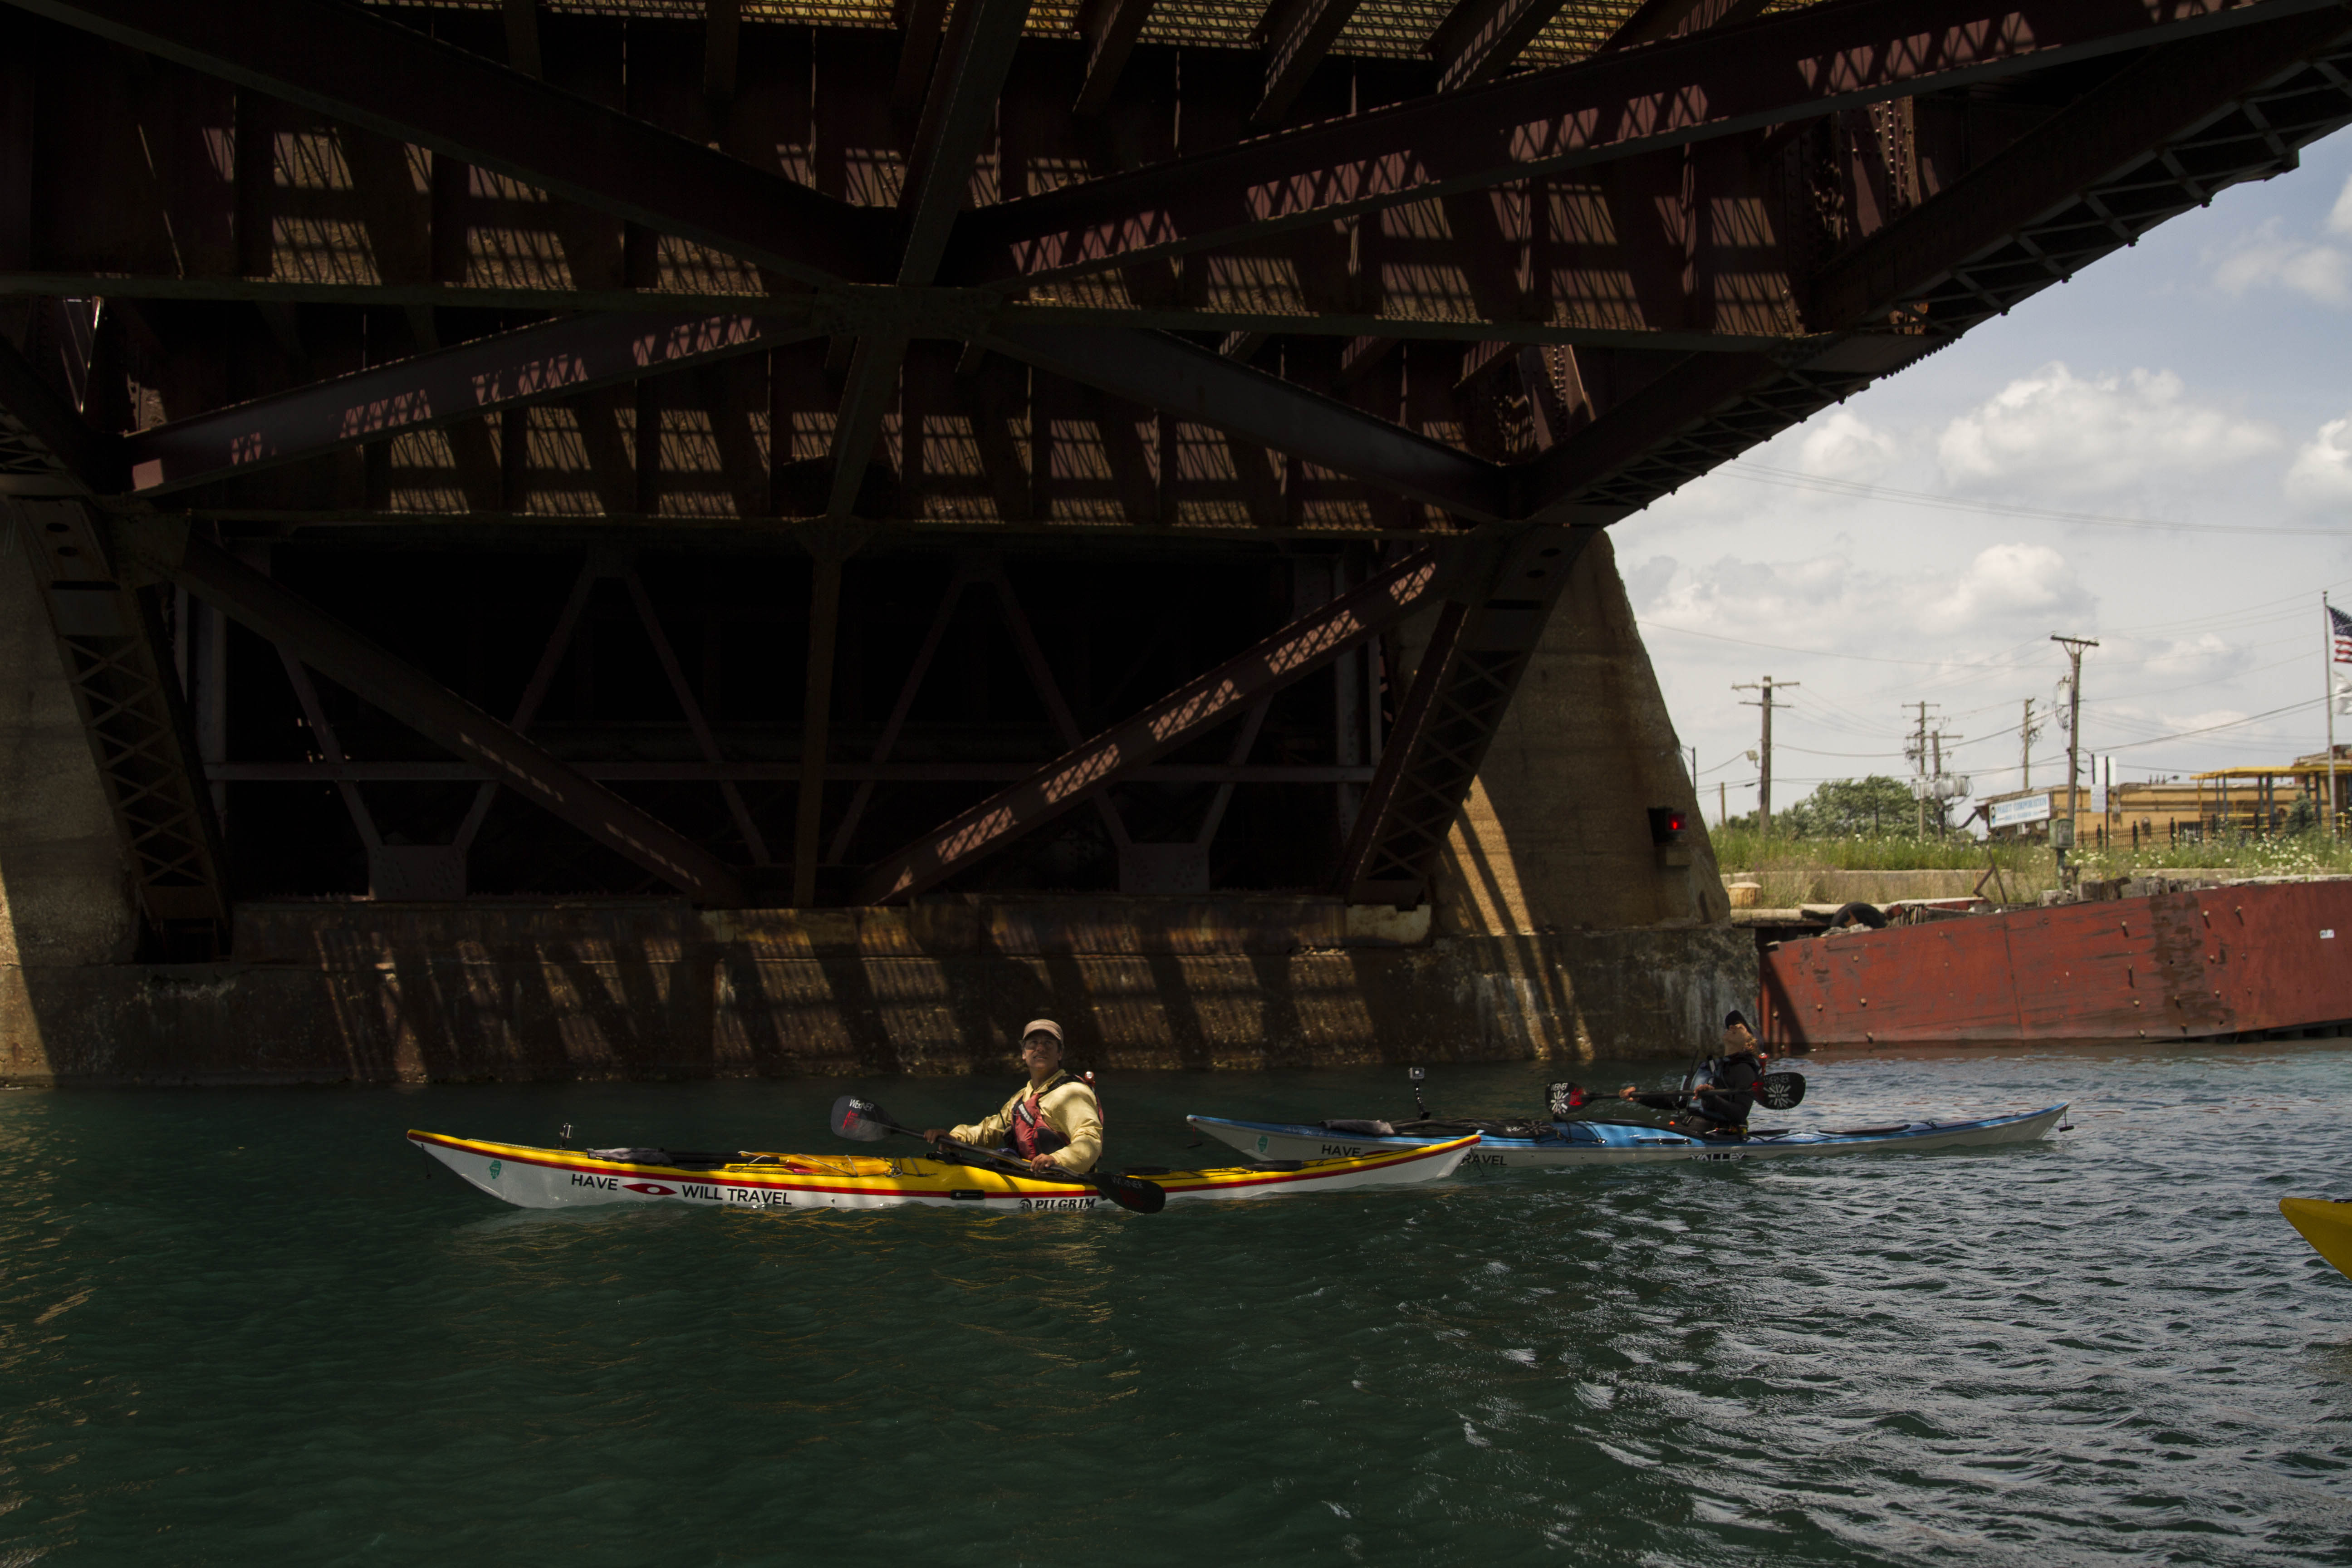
[(2158, 455)]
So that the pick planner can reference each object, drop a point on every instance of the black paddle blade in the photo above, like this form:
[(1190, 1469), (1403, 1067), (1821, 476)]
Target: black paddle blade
[(1781, 1090), (860, 1120), (1139, 1197)]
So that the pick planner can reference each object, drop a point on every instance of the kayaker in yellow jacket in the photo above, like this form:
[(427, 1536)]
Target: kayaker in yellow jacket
[(1054, 1121)]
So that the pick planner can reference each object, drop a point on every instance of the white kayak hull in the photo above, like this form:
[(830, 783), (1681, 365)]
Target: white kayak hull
[(1572, 1143), (535, 1178)]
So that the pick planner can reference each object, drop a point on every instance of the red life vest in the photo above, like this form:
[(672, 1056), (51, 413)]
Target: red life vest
[(1033, 1135)]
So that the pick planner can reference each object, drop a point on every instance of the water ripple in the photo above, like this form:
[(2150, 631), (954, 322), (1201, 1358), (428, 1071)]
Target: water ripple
[(254, 1327)]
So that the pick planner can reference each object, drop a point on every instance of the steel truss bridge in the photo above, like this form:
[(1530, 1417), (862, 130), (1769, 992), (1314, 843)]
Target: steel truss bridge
[(832, 451)]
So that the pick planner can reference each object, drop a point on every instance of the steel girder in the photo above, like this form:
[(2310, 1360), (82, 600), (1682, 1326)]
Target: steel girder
[(1204, 386), (511, 370), (111, 646), (433, 710), (2181, 125), (1710, 85), (1477, 650), (113, 650), (1797, 65), (45, 448), (2221, 112), (1224, 694), (371, 72)]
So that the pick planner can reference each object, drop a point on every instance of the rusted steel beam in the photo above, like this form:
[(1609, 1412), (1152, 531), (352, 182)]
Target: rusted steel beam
[(723, 31), (868, 392), (1464, 685), (845, 833), (1298, 34), (704, 736), (958, 113), (817, 722), (533, 365), (1198, 383), (117, 666), (1224, 693), (521, 19), (373, 73), (2085, 183), (46, 447), (1726, 82), (784, 772), (430, 708), (2102, 140), (921, 25), (1655, 19), (1466, 326), (1110, 28), (1479, 40), (1693, 390)]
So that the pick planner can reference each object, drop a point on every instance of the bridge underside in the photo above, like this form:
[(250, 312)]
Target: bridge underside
[(667, 536)]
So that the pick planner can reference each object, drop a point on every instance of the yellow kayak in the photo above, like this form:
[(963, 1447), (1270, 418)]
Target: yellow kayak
[(540, 1178), (2327, 1226)]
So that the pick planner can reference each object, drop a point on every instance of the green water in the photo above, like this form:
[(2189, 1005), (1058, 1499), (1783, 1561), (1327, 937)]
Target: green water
[(257, 1327)]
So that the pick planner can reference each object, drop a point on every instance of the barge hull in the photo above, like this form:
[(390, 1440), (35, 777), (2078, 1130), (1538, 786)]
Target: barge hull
[(2201, 964)]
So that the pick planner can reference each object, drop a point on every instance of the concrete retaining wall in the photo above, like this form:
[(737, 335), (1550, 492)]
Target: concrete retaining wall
[(369, 993)]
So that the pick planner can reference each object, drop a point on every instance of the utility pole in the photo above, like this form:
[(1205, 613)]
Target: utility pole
[(2027, 733), (1764, 764), (2073, 647), (1936, 779), (1915, 753)]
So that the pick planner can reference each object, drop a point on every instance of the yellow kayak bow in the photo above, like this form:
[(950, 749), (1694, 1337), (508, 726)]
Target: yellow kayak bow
[(2327, 1226)]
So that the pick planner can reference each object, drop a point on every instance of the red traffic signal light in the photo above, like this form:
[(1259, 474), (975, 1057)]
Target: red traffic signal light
[(1666, 824)]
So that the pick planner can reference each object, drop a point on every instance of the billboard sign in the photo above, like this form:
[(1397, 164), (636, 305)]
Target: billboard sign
[(2019, 813)]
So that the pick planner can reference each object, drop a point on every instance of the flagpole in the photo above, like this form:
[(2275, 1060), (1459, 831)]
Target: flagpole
[(2327, 677)]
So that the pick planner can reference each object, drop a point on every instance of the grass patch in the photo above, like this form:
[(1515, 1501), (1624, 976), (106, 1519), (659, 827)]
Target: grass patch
[(1790, 870), (2248, 855), (1744, 847)]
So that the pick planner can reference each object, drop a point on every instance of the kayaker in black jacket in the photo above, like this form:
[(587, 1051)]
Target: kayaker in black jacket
[(1720, 1095)]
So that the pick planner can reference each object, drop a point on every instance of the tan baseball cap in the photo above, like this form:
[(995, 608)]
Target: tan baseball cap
[(1043, 1025)]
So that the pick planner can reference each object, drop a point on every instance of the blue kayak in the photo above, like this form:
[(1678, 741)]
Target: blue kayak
[(1613, 1142)]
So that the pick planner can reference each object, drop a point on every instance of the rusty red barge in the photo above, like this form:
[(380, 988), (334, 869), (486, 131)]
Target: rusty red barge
[(2232, 962)]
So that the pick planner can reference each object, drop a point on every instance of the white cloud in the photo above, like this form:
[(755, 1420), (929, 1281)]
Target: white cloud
[(2190, 661), (2065, 435), (2007, 592), (2322, 472), (2267, 258), (1647, 583), (2339, 220), (1843, 445), (2005, 585)]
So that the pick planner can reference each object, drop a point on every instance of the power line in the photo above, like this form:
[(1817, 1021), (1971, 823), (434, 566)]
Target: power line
[(1757, 473), (2209, 729), (1784, 647)]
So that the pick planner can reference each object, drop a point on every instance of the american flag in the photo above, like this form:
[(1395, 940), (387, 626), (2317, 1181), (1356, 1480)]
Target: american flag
[(2342, 625)]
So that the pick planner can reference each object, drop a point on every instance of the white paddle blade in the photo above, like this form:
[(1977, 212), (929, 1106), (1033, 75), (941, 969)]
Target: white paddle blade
[(1781, 1090), (859, 1120)]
